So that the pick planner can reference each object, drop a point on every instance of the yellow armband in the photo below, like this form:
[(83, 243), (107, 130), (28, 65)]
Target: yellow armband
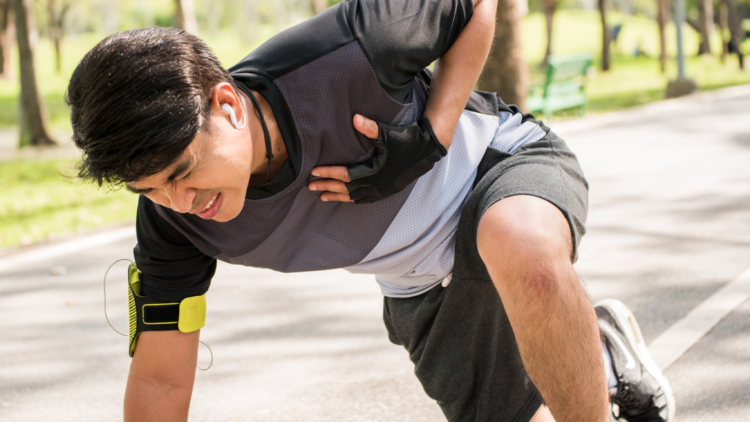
[(148, 314)]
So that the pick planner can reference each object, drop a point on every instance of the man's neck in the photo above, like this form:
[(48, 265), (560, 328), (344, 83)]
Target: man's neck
[(259, 173)]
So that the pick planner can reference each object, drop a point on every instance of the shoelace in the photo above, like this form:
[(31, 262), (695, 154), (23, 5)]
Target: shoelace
[(626, 399), (623, 398)]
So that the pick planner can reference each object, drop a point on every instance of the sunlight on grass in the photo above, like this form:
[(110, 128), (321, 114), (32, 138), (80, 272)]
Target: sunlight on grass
[(36, 202), (41, 199), (632, 81)]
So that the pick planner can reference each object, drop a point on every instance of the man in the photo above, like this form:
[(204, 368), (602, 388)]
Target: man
[(260, 165)]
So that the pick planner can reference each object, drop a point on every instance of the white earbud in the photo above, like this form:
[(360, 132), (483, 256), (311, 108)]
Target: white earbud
[(232, 116)]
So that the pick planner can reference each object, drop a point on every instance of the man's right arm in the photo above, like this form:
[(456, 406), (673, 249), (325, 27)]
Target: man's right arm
[(162, 373)]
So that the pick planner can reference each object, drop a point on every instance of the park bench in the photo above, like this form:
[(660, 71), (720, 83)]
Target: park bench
[(564, 86)]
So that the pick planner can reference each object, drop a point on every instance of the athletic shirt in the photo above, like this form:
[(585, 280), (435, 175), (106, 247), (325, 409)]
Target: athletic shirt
[(360, 56)]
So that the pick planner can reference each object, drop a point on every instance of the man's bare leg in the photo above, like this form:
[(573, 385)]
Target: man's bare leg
[(525, 242)]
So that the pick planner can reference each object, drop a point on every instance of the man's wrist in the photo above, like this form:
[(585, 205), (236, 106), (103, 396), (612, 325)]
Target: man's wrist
[(442, 131)]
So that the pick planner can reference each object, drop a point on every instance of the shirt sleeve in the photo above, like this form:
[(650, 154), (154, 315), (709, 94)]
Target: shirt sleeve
[(172, 267), (402, 37)]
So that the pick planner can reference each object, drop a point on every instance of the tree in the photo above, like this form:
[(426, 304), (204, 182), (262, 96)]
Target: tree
[(705, 25), (550, 6), (33, 131), (6, 37), (56, 19), (184, 16), (736, 30), (662, 17), (505, 71), (723, 25), (605, 35), (318, 5)]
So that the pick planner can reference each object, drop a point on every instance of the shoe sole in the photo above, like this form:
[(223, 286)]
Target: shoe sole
[(632, 331)]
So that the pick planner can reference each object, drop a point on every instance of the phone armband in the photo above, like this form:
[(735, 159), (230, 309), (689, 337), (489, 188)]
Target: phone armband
[(146, 314)]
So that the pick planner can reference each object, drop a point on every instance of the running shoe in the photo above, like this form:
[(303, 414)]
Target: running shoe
[(642, 394)]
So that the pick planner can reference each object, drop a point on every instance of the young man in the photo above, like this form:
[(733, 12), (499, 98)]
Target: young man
[(327, 147)]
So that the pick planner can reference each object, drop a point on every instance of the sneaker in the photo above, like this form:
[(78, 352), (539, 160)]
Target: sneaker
[(642, 394)]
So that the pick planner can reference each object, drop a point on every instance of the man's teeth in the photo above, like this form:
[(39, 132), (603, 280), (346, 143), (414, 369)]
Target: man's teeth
[(210, 203)]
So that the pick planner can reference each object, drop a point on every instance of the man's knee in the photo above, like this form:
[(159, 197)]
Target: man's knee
[(525, 238)]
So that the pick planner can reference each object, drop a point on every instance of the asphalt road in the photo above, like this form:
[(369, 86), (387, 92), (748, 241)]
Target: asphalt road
[(668, 227)]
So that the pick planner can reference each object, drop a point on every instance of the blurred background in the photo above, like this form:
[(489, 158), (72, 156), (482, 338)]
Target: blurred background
[(560, 59)]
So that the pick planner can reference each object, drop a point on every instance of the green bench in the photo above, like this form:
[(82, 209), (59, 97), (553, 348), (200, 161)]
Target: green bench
[(564, 86)]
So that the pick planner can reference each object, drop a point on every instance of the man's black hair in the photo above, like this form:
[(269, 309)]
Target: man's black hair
[(138, 99)]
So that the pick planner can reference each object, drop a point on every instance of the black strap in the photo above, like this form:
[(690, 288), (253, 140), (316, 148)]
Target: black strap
[(269, 154), (161, 314)]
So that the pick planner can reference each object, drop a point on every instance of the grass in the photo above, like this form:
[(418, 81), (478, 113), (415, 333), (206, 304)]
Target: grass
[(632, 81), (38, 202), (41, 199)]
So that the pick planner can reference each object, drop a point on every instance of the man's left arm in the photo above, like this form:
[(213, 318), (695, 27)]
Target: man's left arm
[(455, 75), (457, 71)]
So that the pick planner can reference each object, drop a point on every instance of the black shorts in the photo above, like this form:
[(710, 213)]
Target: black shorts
[(459, 337)]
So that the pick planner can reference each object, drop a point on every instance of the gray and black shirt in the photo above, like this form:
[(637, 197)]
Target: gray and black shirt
[(360, 56)]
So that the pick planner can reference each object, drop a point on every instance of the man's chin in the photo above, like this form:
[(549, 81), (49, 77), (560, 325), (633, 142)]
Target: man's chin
[(226, 215)]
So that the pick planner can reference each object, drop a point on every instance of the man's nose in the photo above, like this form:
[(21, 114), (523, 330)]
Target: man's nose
[(181, 200)]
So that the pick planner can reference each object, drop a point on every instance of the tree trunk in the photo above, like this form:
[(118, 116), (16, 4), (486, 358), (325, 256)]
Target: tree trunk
[(723, 19), (662, 16), (318, 5), (505, 71), (550, 6), (4, 44), (33, 131), (184, 16), (735, 28), (56, 20), (705, 25), (605, 35)]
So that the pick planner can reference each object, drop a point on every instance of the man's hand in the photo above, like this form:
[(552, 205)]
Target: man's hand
[(402, 155), (334, 187)]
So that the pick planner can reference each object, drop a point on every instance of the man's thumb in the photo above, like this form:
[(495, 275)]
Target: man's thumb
[(365, 126)]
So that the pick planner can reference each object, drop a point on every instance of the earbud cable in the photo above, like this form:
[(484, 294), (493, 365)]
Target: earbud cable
[(105, 295), (269, 153)]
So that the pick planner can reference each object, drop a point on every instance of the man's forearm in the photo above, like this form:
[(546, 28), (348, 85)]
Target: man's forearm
[(162, 373), (457, 71)]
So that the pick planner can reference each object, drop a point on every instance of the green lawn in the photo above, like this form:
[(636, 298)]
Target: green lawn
[(632, 81), (40, 198)]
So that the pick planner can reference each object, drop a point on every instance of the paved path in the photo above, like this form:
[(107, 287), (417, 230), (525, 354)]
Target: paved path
[(9, 143), (668, 227)]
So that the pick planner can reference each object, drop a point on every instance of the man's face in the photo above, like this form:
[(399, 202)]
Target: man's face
[(209, 180)]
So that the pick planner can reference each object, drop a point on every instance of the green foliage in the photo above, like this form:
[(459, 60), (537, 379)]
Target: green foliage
[(40, 198), (633, 80), (37, 202)]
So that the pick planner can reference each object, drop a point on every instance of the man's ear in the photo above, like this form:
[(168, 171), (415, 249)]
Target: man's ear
[(224, 93)]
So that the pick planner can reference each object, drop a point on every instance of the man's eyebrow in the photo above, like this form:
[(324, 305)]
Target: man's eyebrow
[(180, 168), (138, 191)]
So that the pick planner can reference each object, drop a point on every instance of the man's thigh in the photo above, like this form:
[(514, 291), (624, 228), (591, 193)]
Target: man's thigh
[(539, 191)]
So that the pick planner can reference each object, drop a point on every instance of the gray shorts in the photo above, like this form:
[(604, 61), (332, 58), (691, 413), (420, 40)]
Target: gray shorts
[(459, 337)]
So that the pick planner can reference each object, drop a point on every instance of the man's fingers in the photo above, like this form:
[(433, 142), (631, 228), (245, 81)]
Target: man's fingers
[(328, 185), (331, 172), (365, 126), (330, 197)]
